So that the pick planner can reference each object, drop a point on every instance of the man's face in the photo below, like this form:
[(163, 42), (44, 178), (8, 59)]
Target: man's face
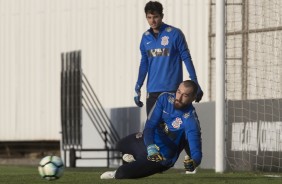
[(184, 96), (154, 20)]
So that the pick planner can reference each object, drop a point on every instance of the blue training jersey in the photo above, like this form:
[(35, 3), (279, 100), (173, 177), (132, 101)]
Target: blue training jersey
[(161, 59), (171, 136)]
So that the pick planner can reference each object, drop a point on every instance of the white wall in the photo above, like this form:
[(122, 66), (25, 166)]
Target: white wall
[(33, 34)]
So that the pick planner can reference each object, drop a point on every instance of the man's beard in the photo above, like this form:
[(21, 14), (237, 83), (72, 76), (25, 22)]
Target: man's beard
[(179, 105)]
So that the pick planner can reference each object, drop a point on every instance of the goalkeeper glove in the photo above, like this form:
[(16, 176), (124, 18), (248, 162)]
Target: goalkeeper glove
[(138, 95), (199, 94), (153, 153), (189, 164)]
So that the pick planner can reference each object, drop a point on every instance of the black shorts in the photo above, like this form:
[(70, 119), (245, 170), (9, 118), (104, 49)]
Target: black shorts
[(151, 100), (142, 167)]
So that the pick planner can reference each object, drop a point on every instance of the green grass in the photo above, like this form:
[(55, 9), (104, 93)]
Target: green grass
[(29, 175)]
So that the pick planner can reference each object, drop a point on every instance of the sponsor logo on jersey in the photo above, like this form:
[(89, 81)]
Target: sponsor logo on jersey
[(186, 115), (164, 127), (158, 52), (164, 41), (176, 123), (168, 29)]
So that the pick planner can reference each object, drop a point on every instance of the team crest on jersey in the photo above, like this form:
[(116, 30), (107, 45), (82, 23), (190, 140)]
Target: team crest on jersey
[(168, 29), (186, 115), (176, 123), (164, 40)]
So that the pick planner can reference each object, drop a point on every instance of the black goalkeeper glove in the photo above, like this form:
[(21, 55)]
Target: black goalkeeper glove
[(199, 94), (138, 95), (189, 164)]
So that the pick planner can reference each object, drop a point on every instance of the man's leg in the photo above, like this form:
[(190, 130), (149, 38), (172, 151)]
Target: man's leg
[(138, 169), (151, 100), (133, 144)]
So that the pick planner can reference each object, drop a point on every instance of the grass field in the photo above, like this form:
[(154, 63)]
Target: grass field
[(29, 175)]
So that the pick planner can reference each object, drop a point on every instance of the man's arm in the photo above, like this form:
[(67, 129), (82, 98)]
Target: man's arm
[(187, 59), (153, 121), (193, 135), (185, 55), (143, 70)]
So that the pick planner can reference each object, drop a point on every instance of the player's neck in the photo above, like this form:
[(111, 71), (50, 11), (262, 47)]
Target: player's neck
[(156, 31)]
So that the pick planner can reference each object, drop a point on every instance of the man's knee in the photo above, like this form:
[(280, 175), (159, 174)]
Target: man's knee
[(125, 142), (121, 174)]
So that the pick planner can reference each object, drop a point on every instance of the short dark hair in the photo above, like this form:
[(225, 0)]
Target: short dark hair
[(154, 6), (190, 83)]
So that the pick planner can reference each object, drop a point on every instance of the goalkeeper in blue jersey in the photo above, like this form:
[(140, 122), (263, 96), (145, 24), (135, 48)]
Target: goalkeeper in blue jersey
[(158, 148), (163, 48)]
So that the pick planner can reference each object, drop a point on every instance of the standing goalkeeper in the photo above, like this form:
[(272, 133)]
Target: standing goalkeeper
[(159, 147), (163, 48)]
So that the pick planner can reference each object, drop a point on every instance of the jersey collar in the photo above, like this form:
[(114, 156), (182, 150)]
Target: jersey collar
[(163, 26)]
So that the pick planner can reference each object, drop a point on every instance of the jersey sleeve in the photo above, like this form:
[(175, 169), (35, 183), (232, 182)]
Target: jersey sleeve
[(185, 55), (153, 121), (143, 68), (193, 135)]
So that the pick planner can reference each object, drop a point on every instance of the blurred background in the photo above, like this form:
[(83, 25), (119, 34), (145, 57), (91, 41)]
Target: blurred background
[(39, 36), (34, 34)]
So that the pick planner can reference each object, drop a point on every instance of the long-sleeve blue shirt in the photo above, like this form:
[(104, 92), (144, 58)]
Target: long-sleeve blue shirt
[(161, 59), (181, 127)]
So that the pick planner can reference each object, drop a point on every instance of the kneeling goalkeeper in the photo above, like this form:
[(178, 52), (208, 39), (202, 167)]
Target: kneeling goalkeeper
[(158, 148)]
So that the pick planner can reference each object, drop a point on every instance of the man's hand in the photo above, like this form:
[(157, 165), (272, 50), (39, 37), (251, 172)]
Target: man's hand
[(199, 96), (189, 164), (153, 153), (138, 95)]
